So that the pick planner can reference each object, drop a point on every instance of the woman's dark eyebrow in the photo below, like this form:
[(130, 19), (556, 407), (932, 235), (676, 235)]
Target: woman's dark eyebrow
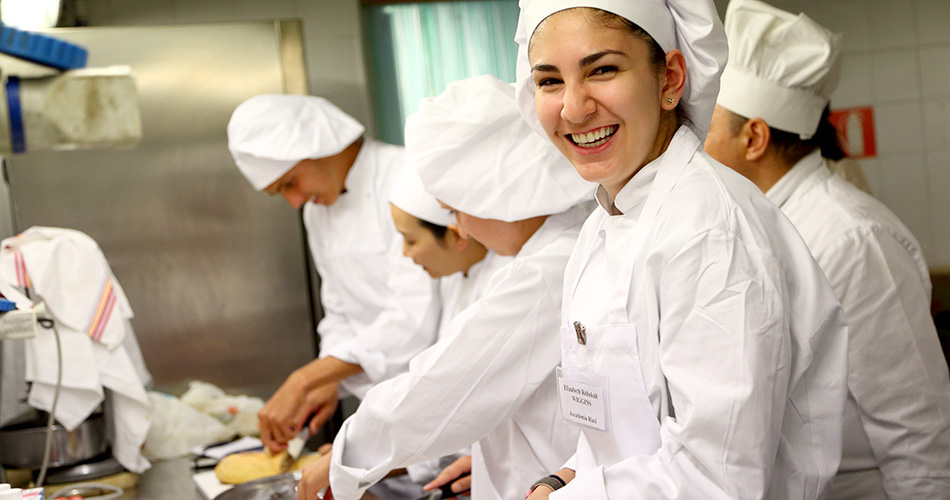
[(547, 68), (591, 59)]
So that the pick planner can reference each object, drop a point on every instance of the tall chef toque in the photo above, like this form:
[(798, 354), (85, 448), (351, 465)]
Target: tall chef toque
[(268, 134), (410, 196), (782, 67), (474, 153), (691, 26)]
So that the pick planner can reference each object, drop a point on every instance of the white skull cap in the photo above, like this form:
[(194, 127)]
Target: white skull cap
[(692, 26), (475, 153), (409, 195), (268, 134), (782, 67)]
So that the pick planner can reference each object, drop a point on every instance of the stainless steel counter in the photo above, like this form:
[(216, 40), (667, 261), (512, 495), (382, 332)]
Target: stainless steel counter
[(166, 480)]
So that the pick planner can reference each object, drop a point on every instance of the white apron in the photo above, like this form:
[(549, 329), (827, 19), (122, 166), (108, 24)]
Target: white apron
[(598, 354)]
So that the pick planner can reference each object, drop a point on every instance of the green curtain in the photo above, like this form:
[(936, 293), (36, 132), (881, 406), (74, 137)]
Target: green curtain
[(418, 49)]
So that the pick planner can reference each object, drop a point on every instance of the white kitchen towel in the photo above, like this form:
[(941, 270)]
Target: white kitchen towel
[(67, 270)]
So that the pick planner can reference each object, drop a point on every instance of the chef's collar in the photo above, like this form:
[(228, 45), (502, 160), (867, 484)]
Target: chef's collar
[(635, 192), (361, 173), (789, 183)]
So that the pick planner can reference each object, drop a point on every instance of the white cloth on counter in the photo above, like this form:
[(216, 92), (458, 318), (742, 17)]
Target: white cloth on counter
[(269, 134), (897, 419), (741, 345), (473, 153), (490, 379), (66, 270), (380, 309)]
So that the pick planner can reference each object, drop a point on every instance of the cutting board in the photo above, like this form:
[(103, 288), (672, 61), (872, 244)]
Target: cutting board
[(208, 485)]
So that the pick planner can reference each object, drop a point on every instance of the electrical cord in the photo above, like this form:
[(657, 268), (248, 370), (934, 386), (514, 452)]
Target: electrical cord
[(47, 449)]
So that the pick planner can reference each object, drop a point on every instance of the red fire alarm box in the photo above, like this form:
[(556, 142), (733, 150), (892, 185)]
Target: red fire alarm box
[(855, 131)]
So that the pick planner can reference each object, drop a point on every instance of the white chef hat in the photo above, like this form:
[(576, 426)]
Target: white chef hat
[(475, 153), (692, 26), (782, 67), (268, 134), (410, 196)]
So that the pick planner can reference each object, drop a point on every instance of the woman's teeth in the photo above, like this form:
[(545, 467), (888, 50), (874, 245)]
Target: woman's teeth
[(594, 138)]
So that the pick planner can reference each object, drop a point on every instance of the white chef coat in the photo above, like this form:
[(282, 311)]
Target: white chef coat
[(457, 291), (490, 379), (897, 419), (740, 342), (380, 309)]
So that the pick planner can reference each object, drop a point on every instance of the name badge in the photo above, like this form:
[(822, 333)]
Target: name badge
[(583, 399)]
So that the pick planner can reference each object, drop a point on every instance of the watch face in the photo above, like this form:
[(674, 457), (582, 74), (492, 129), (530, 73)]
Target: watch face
[(30, 14)]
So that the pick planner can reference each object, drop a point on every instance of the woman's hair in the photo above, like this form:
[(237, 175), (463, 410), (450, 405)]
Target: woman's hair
[(791, 148), (436, 230), (656, 53)]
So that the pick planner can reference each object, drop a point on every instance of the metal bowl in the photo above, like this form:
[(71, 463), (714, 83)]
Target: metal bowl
[(22, 445)]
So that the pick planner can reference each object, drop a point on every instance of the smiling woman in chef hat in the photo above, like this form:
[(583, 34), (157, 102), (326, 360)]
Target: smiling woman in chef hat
[(490, 378), (695, 321)]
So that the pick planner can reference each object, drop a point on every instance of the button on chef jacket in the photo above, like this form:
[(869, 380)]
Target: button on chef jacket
[(380, 309), (490, 379), (740, 342), (897, 418)]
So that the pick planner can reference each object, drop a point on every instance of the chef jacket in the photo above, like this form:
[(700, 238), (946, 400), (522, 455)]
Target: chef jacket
[(380, 309), (897, 418), (457, 291), (741, 343), (490, 379)]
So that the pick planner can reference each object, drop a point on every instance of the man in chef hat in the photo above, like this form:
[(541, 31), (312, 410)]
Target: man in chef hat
[(782, 70), (378, 307)]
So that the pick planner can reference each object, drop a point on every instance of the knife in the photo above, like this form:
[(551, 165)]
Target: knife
[(444, 491), (294, 447)]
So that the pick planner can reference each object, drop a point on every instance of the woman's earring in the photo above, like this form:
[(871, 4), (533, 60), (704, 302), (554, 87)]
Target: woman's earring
[(669, 100)]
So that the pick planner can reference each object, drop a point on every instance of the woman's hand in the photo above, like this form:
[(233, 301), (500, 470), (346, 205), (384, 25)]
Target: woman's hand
[(276, 420), (316, 476), (542, 492), (459, 467)]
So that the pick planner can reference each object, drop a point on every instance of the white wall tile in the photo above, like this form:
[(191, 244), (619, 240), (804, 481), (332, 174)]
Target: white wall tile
[(854, 88), (937, 125), (938, 168), (899, 128), (850, 18), (933, 20), (872, 170), (935, 70), (904, 188), (335, 61), (892, 24), (895, 75)]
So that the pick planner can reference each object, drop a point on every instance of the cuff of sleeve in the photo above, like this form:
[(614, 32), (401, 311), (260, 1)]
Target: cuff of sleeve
[(346, 482), (571, 463), (589, 484), (372, 362)]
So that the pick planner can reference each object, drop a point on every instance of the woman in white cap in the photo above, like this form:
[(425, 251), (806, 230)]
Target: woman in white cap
[(463, 267), (703, 352), (490, 379), (379, 308), (897, 418)]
